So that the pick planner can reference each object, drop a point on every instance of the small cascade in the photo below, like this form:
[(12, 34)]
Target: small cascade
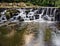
[(22, 14), (46, 16), (54, 13), (39, 14)]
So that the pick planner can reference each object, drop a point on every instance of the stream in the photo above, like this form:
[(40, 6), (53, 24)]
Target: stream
[(45, 17)]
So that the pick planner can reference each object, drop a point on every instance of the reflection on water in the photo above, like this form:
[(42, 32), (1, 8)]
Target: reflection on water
[(29, 34), (55, 35), (23, 34)]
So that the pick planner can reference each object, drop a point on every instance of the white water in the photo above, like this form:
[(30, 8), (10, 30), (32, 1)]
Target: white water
[(31, 14)]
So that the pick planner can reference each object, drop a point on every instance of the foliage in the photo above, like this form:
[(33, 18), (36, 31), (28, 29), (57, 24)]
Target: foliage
[(37, 2)]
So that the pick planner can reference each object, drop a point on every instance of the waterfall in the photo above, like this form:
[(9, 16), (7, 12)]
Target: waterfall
[(44, 14), (54, 13), (40, 16)]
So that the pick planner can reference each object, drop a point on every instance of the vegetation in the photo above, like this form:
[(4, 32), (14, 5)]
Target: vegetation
[(37, 2)]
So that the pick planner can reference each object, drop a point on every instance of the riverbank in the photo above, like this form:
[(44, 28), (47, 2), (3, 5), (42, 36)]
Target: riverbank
[(19, 5)]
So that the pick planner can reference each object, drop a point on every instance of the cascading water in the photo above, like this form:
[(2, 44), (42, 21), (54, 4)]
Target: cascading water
[(40, 16), (31, 15), (31, 40)]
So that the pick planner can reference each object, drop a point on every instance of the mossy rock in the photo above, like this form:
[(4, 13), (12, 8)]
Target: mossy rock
[(11, 12)]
